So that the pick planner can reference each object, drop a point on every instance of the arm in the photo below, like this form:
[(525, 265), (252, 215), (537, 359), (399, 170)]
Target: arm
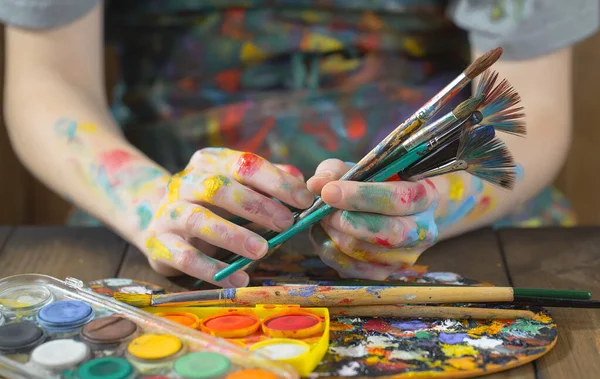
[(61, 129), (544, 85)]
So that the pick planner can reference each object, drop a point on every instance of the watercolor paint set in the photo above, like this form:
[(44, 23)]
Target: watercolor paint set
[(290, 334), (51, 328)]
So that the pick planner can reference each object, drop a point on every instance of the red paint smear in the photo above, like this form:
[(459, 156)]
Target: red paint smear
[(345, 301), (230, 322), (393, 178), (248, 164), (292, 322), (229, 81), (292, 170), (115, 159), (382, 242), (485, 202), (428, 181), (413, 194), (377, 325)]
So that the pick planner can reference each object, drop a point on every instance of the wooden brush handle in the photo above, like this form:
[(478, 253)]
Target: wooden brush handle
[(354, 296), (429, 311)]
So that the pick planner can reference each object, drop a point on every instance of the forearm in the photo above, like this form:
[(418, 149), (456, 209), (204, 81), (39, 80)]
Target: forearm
[(544, 84), (67, 139)]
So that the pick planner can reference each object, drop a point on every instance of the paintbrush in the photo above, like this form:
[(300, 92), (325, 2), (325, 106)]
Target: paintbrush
[(480, 154), (325, 296), (384, 150), (428, 311)]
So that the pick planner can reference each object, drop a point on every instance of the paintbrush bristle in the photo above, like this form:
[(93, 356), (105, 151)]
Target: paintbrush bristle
[(499, 106), (487, 157), (467, 107), (134, 299), (483, 63)]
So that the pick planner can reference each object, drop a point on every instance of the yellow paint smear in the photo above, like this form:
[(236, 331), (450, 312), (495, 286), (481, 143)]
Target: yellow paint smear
[(456, 190), (88, 127), (458, 350), (466, 363), (157, 249), (173, 190), (212, 185), (540, 317), (494, 328)]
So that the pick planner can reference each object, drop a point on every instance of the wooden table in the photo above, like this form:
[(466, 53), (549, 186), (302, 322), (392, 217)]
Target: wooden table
[(552, 258)]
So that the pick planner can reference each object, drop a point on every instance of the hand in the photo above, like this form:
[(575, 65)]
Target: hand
[(189, 224), (380, 227)]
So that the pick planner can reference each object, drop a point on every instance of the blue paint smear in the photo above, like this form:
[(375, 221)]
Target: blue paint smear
[(519, 171), (144, 212), (307, 291), (461, 212), (410, 325), (477, 184), (229, 293), (452, 338)]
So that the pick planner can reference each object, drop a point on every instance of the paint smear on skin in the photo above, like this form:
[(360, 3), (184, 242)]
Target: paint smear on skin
[(456, 190), (292, 171), (413, 194), (519, 171), (211, 186), (360, 221), (378, 198), (459, 214), (476, 184), (157, 249), (484, 342), (144, 212), (458, 350), (176, 212), (452, 338), (487, 203), (173, 188), (207, 231), (248, 164), (494, 328), (115, 159)]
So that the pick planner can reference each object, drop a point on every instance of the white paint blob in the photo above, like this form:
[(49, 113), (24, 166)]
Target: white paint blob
[(483, 342), (351, 369), (59, 354), (352, 351), (408, 355), (442, 276), (282, 350), (410, 297), (379, 341)]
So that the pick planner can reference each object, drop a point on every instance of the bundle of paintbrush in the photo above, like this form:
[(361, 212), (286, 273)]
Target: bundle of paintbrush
[(419, 148)]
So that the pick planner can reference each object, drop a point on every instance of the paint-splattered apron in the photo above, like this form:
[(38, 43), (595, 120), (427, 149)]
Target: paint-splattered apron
[(294, 81)]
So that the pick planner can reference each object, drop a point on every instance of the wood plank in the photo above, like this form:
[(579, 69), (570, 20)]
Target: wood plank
[(561, 258), (476, 255), (135, 266), (84, 253)]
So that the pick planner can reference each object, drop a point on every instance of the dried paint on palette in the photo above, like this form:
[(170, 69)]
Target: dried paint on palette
[(394, 347)]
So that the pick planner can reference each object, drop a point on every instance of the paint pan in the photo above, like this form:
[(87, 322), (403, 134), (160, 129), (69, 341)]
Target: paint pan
[(58, 355), (108, 331), (153, 352), (25, 299), (292, 324), (202, 365), (252, 374), (105, 368), (230, 324), (281, 349), (65, 316), (184, 318), (20, 337)]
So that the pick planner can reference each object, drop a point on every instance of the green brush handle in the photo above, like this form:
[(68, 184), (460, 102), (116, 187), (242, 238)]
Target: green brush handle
[(561, 294), (382, 175)]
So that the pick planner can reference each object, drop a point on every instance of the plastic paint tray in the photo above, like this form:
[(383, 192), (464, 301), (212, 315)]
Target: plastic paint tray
[(51, 328), (280, 332)]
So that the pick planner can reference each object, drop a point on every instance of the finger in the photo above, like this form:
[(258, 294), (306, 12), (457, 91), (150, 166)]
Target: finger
[(260, 174), (386, 231), (292, 170), (196, 221), (345, 265), (230, 195), (389, 198), (173, 250), (328, 170), (366, 252)]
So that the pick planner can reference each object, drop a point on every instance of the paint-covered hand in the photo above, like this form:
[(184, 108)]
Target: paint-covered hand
[(190, 223), (380, 227)]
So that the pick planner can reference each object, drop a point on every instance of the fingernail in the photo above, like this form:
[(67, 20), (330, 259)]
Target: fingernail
[(332, 193), (256, 245), (239, 280), (322, 174), (304, 197), (283, 219)]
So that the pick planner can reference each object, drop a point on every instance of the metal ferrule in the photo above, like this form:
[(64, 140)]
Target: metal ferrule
[(209, 297), (429, 131), (452, 166), (441, 98)]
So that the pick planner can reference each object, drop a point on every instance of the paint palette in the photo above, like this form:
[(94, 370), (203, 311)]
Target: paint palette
[(51, 329), (286, 333)]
